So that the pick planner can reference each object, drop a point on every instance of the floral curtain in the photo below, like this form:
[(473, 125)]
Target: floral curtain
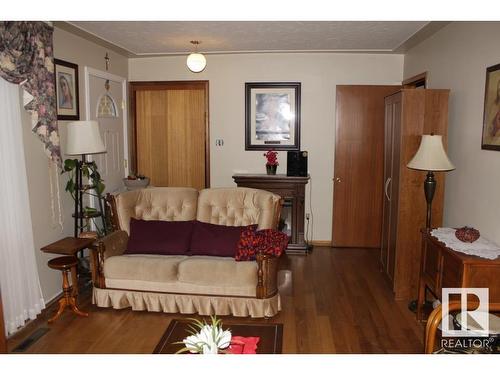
[(26, 58)]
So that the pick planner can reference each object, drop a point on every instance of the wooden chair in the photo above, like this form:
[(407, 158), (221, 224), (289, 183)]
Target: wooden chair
[(436, 317)]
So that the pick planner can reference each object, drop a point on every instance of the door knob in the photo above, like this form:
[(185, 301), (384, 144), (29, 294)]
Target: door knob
[(338, 179)]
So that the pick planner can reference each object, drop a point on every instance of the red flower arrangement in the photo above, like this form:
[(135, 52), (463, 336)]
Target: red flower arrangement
[(272, 157)]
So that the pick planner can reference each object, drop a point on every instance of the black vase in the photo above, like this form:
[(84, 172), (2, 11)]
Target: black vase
[(271, 169)]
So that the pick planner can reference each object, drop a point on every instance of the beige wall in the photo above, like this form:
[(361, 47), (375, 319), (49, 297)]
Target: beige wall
[(319, 73), (456, 58), (79, 51)]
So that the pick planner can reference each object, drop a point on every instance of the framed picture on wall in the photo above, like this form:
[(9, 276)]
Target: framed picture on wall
[(491, 115), (272, 115), (67, 90)]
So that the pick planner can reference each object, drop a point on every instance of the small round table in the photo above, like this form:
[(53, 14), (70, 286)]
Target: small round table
[(65, 265)]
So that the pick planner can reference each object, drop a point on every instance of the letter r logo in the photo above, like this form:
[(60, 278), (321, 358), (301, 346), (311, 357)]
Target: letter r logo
[(480, 315)]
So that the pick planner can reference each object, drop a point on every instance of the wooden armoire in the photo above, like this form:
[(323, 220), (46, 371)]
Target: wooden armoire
[(409, 114)]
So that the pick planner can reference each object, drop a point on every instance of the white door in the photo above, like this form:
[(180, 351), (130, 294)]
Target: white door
[(107, 106)]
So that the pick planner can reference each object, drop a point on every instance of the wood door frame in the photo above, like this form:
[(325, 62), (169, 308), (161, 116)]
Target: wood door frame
[(417, 81), (88, 71), (160, 85)]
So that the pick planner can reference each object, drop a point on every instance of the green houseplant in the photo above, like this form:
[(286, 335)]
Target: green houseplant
[(90, 172)]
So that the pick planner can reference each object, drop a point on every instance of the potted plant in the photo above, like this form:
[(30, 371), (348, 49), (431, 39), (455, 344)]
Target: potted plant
[(206, 338), (89, 171), (272, 162)]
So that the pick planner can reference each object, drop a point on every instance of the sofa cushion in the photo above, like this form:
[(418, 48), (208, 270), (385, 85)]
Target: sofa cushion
[(217, 271), (156, 203), (157, 268), (181, 274), (215, 240), (159, 237), (238, 206)]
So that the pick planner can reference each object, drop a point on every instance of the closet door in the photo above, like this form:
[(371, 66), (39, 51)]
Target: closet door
[(394, 188), (386, 217), (171, 133), (358, 165), (391, 182)]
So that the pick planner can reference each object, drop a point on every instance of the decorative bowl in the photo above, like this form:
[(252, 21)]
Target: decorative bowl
[(467, 234), (137, 183)]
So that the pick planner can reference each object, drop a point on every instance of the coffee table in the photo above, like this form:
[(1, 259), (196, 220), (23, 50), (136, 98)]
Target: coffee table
[(271, 336)]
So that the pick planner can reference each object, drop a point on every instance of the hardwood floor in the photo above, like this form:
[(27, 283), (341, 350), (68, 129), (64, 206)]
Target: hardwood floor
[(337, 302)]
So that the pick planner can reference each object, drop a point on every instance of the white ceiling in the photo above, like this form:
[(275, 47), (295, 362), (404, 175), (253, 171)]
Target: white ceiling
[(142, 38)]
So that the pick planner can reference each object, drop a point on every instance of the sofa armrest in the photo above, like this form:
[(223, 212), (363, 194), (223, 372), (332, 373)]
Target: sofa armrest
[(267, 275), (113, 244)]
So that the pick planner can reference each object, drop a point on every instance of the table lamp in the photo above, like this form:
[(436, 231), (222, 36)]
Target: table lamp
[(430, 157), (83, 138)]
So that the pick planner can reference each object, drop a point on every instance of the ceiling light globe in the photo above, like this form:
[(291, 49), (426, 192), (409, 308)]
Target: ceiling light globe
[(196, 62)]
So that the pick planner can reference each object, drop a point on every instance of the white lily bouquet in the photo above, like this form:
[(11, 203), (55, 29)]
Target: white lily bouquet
[(206, 338)]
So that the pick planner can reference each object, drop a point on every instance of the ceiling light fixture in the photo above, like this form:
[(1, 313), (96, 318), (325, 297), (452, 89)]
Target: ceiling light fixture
[(196, 62)]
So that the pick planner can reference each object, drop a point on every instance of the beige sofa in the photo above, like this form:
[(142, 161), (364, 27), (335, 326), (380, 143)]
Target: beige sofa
[(188, 284)]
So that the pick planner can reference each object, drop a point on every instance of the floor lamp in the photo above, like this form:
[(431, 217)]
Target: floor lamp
[(83, 138), (430, 157)]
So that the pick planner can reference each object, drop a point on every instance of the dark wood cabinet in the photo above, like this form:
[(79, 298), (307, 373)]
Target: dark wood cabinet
[(409, 114), (442, 267), (292, 190)]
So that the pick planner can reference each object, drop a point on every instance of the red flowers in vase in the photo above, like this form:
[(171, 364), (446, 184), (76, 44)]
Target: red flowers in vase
[(272, 161), (272, 157)]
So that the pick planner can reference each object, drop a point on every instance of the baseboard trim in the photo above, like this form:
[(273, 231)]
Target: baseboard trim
[(321, 243)]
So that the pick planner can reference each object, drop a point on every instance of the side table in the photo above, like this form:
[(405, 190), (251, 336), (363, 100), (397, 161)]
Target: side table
[(69, 246), (442, 267), (64, 264)]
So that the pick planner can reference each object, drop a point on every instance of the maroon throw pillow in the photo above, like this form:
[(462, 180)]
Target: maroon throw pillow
[(215, 240), (159, 237), (267, 241)]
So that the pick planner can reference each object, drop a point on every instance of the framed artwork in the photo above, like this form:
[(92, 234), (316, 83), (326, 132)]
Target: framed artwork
[(67, 90), (272, 115), (491, 115)]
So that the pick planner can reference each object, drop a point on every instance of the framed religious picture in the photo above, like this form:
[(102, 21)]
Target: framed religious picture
[(67, 90), (491, 115), (272, 115)]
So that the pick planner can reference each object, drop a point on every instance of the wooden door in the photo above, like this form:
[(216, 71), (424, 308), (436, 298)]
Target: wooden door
[(171, 133), (107, 107), (388, 160), (392, 165), (359, 165)]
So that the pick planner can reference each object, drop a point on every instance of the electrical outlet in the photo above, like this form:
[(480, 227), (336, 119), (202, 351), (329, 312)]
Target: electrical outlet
[(307, 216), (219, 142)]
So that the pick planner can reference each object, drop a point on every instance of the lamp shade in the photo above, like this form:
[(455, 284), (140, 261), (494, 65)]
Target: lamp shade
[(84, 138), (196, 62), (431, 155)]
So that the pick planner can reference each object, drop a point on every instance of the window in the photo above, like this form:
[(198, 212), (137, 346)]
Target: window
[(106, 106)]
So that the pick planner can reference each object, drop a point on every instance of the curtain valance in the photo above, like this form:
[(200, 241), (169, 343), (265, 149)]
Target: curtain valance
[(26, 58)]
